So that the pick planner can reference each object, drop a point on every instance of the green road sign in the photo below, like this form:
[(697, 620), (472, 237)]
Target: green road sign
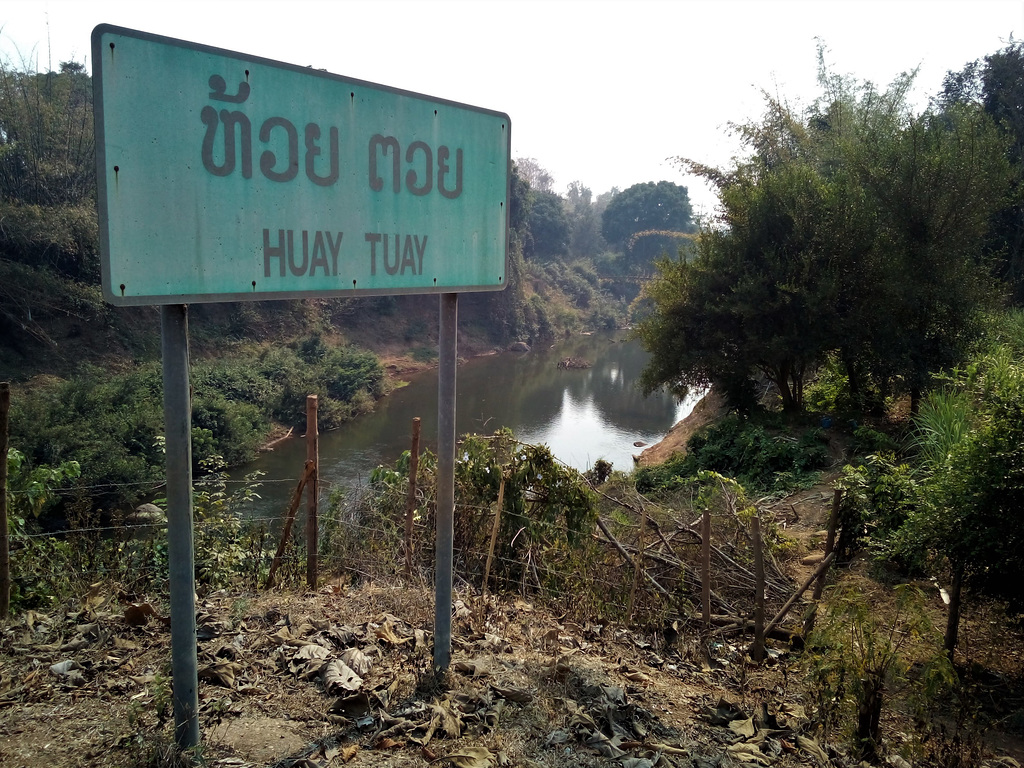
[(226, 177)]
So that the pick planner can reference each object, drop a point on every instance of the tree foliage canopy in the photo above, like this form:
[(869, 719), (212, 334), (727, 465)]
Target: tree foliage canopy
[(549, 226), (853, 228), (651, 205), (996, 85), (48, 170)]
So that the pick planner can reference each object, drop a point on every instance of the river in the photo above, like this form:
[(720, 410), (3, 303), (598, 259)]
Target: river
[(582, 415)]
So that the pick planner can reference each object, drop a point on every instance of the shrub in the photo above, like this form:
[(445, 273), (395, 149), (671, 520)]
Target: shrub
[(110, 422), (880, 495), (743, 450), (860, 654)]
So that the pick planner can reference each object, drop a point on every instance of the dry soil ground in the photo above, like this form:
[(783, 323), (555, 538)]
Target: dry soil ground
[(343, 677)]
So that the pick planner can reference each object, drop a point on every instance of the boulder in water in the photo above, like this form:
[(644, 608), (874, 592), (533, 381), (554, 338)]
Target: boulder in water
[(572, 362)]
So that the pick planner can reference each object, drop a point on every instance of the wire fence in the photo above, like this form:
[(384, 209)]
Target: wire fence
[(643, 564)]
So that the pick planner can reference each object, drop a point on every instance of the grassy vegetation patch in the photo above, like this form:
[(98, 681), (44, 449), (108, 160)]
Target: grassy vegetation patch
[(752, 453)]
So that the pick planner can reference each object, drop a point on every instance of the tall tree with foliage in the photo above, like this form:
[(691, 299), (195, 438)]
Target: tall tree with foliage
[(549, 226), (762, 293), (853, 229), (585, 240), (537, 176), (47, 169), (996, 85), (935, 186), (652, 209)]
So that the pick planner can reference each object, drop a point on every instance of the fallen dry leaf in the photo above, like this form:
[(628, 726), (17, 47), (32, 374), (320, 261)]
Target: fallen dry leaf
[(470, 757), (221, 673), (747, 753), (386, 632), (348, 752), (634, 675), (339, 678), (811, 747), (312, 651), (357, 661), (743, 728), (472, 668), (137, 614), (93, 599), (519, 695)]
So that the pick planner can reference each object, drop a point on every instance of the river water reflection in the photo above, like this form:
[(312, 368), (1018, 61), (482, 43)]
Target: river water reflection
[(582, 414)]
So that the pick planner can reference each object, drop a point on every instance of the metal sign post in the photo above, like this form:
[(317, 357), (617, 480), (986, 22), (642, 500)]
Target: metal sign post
[(180, 555), (447, 361), (228, 177)]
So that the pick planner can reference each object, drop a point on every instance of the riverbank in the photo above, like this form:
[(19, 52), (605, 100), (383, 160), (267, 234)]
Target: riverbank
[(708, 410)]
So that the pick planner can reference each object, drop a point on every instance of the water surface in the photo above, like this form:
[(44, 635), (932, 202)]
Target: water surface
[(582, 415)]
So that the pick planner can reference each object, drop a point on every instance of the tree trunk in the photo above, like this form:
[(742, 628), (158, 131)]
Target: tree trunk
[(953, 622), (852, 379), (782, 382), (869, 714), (915, 400)]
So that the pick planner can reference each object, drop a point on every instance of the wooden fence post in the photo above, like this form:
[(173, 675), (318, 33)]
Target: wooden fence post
[(5, 543), (410, 501), (830, 544), (286, 533), (757, 649), (705, 569), (494, 533), (312, 492)]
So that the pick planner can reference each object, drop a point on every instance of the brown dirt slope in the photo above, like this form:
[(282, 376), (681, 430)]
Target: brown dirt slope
[(710, 408)]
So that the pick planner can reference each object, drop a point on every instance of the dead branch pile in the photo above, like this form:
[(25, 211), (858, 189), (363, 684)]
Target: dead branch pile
[(665, 549)]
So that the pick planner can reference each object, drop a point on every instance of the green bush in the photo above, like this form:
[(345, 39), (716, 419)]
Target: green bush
[(974, 515), (879, 495), (110, 422), (746, 451)]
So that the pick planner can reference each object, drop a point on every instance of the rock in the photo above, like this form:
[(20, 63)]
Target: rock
[(519, 346), (147, 514), (639, 444), (573, 362), (813, 559)]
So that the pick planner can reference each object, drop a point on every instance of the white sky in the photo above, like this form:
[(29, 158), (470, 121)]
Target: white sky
[(602, 92)]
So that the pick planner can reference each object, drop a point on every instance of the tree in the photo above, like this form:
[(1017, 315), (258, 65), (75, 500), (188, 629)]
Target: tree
[(46, 137), (538, 177), (761, 294), (48, 170), (585, 240), (996, 85), (549, 226), (852, 228), (653, 207), (935, 186)]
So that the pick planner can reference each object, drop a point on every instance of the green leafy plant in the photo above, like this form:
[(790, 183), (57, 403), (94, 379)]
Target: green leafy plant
[(745, 450), (860, 653), (879, 495)]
